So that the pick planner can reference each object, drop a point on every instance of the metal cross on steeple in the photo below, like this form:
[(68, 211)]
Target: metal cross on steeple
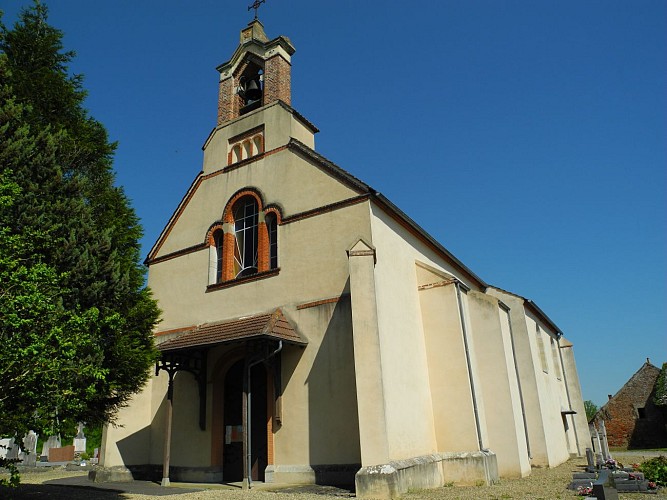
[(255, 5)]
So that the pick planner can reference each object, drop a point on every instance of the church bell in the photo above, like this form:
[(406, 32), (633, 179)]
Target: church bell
[(252, 90)]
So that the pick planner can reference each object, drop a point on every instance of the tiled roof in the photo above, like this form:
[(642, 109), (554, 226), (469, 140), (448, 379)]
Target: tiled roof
[(271, 325)]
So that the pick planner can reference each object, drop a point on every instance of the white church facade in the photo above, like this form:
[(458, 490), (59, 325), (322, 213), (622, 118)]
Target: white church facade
[(313, 333)]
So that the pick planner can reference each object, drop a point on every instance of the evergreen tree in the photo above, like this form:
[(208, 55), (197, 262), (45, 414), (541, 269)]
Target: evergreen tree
[(70, 243)]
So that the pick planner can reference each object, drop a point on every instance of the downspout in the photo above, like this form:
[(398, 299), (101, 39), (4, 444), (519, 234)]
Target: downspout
[(518, 380), (467, 349), (567, 392), (248, 436)]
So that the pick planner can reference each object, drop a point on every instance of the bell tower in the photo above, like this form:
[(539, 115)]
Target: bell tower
[(257, 74)]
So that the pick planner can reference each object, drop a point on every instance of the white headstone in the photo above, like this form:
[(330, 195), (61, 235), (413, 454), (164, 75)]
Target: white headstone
[(30, 454), (4, 446), (79, 445), (13, 450), (52, 442)]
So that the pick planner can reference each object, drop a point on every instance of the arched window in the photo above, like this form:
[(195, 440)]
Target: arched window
[(257, 144), (272, 231), (247, 149), (245, 231), (236, 153), (217, 242)]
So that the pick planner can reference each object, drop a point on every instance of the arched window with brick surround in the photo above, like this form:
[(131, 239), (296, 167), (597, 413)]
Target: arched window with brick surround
[(246, 219), (215, 239), (272, 231), (245, 242)]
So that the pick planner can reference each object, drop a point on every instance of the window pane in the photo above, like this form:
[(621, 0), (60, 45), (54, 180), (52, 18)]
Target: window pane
[(245, 228)]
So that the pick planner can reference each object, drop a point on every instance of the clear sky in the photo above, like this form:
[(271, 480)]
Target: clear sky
[(528, 137)]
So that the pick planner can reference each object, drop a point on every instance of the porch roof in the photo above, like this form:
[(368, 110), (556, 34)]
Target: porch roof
[(270, 325)]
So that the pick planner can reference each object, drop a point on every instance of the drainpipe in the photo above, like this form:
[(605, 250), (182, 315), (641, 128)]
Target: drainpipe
[(248, 434), (467, 349), (567, 392), (518, 379)]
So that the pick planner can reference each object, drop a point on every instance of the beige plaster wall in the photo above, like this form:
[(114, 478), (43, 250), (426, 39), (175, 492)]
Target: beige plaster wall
[(550, 394), (280, 178), (528, 362), (409, 406), (129, 441), (319, 399), (499, 385), (453, 413), (579, 420), (280, 125), (319, 424)]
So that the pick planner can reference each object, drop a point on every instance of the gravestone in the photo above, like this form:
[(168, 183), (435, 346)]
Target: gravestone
[(590, 459), (80, 440), (30, 453), (5, 444), (64, 454), (13, 450), (603, 438), (52, 442)]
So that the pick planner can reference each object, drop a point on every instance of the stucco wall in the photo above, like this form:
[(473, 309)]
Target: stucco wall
[(409, 405), (492, 344)]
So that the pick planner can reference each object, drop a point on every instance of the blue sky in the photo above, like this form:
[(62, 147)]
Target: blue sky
[(528, 137)]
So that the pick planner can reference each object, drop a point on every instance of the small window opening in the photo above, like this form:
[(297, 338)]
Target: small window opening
[(247, 149), (257, 143), (272, 229), (217, 239), (641, 412)]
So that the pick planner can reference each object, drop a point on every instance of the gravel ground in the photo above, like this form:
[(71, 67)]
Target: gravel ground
[(543, 484)]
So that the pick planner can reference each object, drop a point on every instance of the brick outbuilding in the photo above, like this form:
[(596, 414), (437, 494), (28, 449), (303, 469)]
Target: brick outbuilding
[(631, 417)]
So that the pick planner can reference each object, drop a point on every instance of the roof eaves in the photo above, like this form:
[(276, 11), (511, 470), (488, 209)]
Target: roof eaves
[(388, 206), (338, 172), (158, 243)]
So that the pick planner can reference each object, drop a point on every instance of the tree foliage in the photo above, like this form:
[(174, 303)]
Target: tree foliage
[(660, 398), (591, 409), (75, 317)]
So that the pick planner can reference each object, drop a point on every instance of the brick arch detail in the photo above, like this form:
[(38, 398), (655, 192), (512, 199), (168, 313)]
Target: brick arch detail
[(212, 229), (227, 214), (274, 209)]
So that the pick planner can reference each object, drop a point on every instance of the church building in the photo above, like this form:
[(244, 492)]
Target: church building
[(313, 333)]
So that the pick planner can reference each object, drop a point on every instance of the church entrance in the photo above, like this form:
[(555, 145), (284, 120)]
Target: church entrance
[(233, 452)]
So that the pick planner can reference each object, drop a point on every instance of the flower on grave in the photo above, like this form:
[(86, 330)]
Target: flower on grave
[(612, 464), (633, 476), (584, 491), (652, 485), (635, 466)]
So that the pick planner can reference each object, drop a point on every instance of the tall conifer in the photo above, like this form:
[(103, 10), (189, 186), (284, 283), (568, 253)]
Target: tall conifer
[(81, 226)]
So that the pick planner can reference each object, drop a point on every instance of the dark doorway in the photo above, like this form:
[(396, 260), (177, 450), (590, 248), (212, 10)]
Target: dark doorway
[(233, 422)]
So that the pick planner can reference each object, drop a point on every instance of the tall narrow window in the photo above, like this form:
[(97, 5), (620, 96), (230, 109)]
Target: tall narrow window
[(217, 239), (556, 358), (540, 346), (245, 230), (272, 230)]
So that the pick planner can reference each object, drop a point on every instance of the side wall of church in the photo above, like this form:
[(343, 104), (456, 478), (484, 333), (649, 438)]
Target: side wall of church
[(411, 429)]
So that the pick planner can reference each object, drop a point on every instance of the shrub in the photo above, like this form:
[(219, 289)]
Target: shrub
[(655, 469)]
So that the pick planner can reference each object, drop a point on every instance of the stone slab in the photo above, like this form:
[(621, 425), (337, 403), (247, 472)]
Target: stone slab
[(110, 475), (64, 454)]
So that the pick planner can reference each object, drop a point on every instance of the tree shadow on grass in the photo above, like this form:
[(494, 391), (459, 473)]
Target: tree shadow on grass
[(79, 488)]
